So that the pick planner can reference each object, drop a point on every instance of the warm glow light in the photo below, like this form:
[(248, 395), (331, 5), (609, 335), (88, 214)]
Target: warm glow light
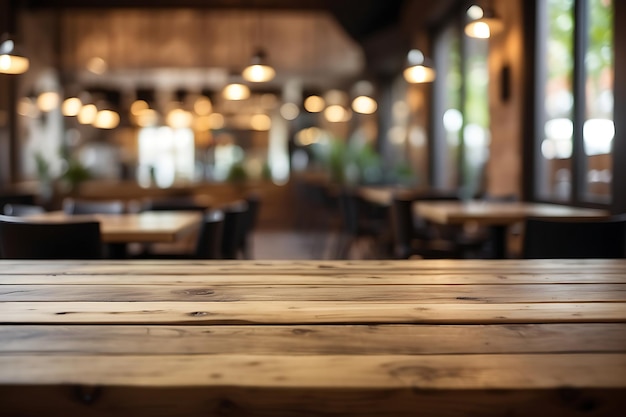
[(419, 74), (260, 122), (335, 113), (258, 73), (236, 92), (203, 106), (217, 121), (48, 101), (138, 107), (364, 105), (147, 118), (475, 12), (71, 106), (97, 65), (289, 111), (179, 119), (314, 104), (13, 64), (202, 123), (485, 26), (87, 114), (26, 107), (106, 119)]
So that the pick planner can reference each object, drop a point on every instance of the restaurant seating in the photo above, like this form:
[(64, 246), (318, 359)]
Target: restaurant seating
[(357, 225), (555, 239), (77, 206), (234, 227), (250, 221), (207, 245), (177, 202), (11, 209), (23, 239)]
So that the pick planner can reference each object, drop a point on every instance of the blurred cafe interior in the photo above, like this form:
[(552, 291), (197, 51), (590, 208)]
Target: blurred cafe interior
[(302, 103)]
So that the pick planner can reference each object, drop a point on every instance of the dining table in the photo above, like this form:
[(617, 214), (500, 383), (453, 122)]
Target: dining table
[(117, 230), (313, 338), (499, 216)]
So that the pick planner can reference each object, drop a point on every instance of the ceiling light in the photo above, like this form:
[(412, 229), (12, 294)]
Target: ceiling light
[(48, 101), (314, 104), (289, 111), (418, 69), (260, 122), (106, 119), (87, 114), (258, 71), (484, 26), (12, 61), (71, 106), (236, 92), (364, 105)]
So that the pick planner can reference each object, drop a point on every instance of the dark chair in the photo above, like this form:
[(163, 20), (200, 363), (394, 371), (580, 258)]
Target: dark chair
[(208, 241), (556, 239), (357, 225), (170, 203), (23, 239), (234, 228), (75, 206), (22, 209), (250, 221)]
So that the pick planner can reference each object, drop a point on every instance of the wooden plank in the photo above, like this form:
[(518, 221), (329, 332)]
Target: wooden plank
[(327, 268), (303, 312), (524, 293), (508, 279), (84, 401), (536, 371), (309, 340)]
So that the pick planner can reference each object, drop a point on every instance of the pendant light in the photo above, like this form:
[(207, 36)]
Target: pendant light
[(418, 70), (258, 71), (484, 22), (12, 61)]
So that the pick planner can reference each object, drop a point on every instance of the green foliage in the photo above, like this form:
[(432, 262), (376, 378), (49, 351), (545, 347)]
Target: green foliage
[(75, 173), (237, 173)]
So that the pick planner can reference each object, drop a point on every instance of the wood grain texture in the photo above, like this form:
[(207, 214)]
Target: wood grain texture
[(537, 371), (313, 338), (311, 312), (324, 268), (428, 294), (86, 401)]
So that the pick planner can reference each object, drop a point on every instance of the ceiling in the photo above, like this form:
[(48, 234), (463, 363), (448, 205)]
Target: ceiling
[(188, 43)]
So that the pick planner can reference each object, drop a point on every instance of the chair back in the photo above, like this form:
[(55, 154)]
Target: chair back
[(11, 209), (23, 239), (402, 226), (554, 239), (74, 206), (209, 241), (234, 228), (181, 202)]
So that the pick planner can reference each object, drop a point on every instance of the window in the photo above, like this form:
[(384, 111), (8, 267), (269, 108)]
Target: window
[(166, 156), (575, 76), (461, 125)]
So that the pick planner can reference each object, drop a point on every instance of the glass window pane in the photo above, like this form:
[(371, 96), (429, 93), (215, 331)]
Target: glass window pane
[(452, 115), (476, 133), (599, 129), (555, 164)]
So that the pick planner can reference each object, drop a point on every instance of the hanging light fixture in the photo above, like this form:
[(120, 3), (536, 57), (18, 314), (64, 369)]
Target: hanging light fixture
[(258, 71), (483, 22), (12, 61), (236, 91), (418, 68)]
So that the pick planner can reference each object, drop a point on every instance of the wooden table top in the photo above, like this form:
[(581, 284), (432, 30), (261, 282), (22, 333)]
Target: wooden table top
[(499, 213), (317, 333), (149, 226)]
